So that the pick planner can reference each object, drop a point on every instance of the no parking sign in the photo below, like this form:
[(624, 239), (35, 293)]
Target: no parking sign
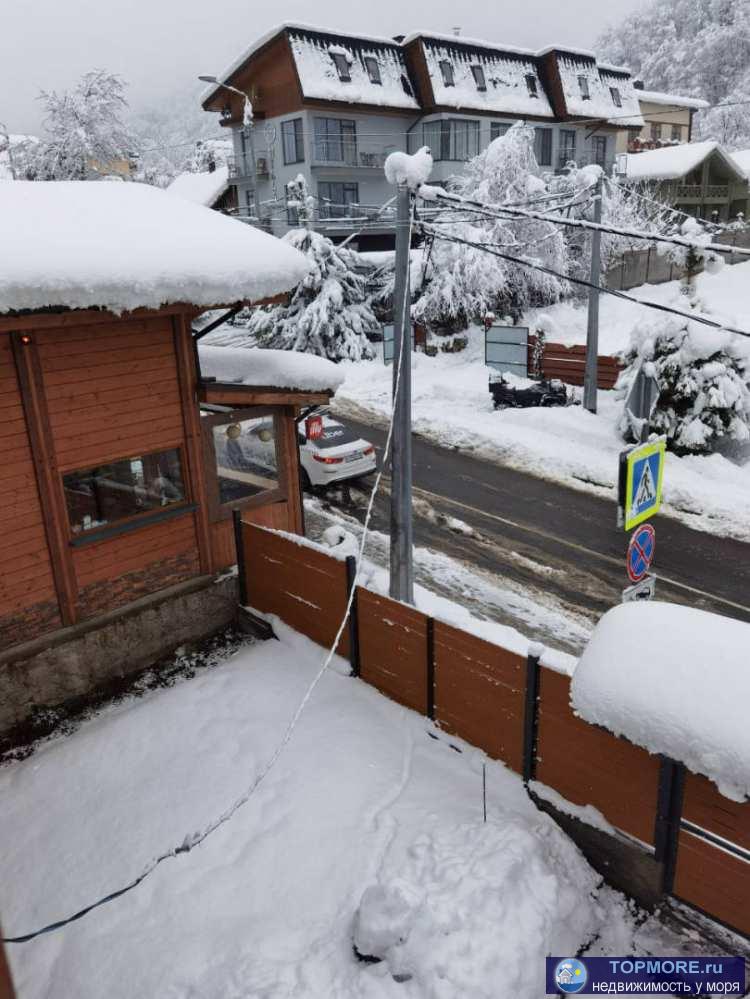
[(641, 552)]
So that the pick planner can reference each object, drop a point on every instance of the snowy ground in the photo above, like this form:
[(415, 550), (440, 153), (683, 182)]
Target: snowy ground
[(361, 800), (452, 406)]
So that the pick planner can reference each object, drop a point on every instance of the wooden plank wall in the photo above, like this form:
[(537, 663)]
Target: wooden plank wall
[(28, 600), (706, 875), (590, 766), (306, 588), (112, 391), (479, 693), (393, 648), (568, 363)]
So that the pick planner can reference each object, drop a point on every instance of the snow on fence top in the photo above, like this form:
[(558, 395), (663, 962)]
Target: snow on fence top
[(122, 246), (674, 162), (671, 100), (676, 681), (319, 77), (282, 369), (201, 188)]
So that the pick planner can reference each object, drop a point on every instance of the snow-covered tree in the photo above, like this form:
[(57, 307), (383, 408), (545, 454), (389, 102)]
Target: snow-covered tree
[(697, 48), (328, 313), (84, 130), (703, 376), (463, 283)]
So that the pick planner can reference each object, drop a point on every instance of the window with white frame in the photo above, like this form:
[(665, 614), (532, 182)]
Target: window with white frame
[(567, 146), (292, 142), (615, 95), (373, 70), (583, 86), (452, 139), (337, 198), (336, 140)]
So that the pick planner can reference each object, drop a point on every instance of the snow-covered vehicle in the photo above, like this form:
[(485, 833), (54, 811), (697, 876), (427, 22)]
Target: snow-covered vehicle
[(545, 393), (338, 454)]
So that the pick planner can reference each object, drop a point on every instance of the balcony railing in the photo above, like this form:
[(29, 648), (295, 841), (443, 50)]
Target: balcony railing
[(241, 167), (346, 154), (707, 192)]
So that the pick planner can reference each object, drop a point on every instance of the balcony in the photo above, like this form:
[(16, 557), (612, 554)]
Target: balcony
[(241, 167)]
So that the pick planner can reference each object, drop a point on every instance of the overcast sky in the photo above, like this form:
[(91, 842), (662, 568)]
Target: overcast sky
[(159, 46)]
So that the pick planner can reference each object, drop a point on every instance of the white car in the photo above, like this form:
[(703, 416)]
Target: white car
[(337, 455)]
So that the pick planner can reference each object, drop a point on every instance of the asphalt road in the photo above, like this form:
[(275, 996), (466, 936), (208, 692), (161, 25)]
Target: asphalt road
[(549, 537)]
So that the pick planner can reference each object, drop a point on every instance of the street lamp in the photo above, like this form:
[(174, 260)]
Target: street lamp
[(247, 121)]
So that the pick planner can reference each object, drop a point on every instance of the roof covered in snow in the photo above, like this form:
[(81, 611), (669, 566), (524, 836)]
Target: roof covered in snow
[(201, 188), (674, 162), (283, 369), (122, 246), (313, 53), (671, 100), (742, 158), (674, 680)]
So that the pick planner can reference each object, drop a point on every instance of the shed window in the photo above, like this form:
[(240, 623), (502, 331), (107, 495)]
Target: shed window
[(583, 86), (246, 460), (373, 70), (676, 133), (291, 141), (478, 74), (531, 85), (616, 99), (341, 63), (96, 497), (446, 68)]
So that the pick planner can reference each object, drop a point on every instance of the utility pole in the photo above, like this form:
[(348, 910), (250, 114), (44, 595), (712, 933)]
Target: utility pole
[(592, 330), (402, 570)]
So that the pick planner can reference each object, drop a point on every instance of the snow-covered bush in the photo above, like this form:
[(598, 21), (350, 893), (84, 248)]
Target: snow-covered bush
[(463, 282), (703, 376), (84, 130), (328, 313)]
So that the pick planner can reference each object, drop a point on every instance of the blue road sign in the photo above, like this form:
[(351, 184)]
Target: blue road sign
[(645, 475), (641, 552)]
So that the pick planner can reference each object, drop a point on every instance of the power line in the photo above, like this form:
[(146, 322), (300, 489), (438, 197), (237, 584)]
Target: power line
[(523, 262)]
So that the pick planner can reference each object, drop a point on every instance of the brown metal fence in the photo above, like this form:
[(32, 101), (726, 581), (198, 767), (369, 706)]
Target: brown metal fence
[(568, 363), (518, 712)]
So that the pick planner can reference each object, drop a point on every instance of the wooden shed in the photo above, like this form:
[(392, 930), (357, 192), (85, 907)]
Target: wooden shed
[(118, 487)]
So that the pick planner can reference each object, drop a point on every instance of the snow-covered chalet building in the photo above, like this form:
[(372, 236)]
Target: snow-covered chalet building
[(332, 106)]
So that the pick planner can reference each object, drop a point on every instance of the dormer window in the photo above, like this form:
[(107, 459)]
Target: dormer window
[(616, 99), (446, 68), (342, 66), (583, 86), (373, 70), (406, 85), (478, 74), (531, 85)]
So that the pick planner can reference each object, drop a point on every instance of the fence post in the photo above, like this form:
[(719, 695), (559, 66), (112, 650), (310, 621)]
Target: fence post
[(531, 713), (668, 816), (240, 550), (351, 575), (431, 668)]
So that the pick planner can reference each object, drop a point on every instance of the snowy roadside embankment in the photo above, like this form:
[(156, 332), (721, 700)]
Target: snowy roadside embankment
[(361, 803), (452, 406)]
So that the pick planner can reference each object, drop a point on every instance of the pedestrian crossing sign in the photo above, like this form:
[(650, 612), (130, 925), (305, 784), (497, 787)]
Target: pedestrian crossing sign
[(645, 473)]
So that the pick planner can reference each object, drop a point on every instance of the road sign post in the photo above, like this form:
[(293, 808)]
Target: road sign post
[(640, 482)]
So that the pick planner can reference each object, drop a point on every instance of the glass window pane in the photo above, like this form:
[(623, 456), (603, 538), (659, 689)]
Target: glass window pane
[(245, 458), (432, 138), (108, 493), (498, 128)]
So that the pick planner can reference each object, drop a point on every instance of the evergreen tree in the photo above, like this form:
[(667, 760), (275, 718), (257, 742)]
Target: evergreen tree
[(703, 376), (328, 313)]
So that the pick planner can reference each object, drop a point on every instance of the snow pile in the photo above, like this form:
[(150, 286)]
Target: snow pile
[(674, 680), (282, 369), (201, 188), (401, 168), (79, 245), (672, 162), (473, 905)]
